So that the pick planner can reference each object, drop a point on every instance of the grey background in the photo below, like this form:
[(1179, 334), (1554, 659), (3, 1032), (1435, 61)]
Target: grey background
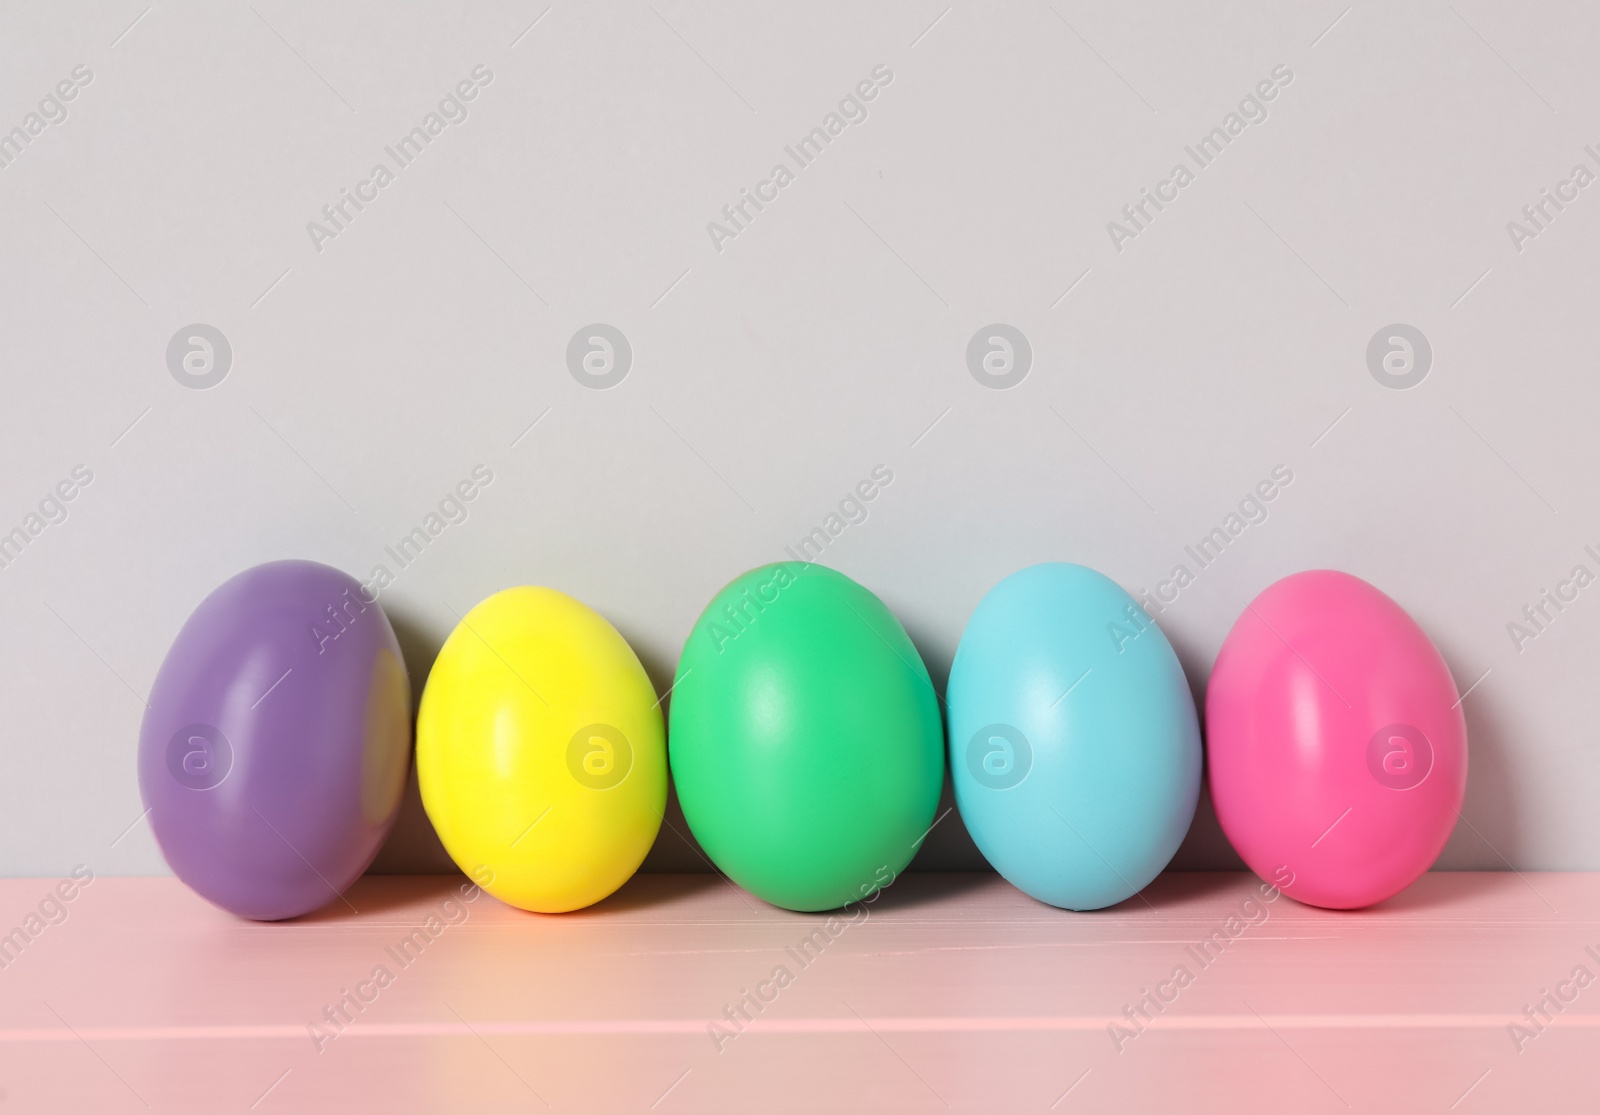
[(829, 337)]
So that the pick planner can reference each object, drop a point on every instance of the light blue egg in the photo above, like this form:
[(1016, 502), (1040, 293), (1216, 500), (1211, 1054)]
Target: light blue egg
[(1074, 744)]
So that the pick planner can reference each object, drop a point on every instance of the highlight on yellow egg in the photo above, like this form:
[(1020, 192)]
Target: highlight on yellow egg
[(540, 751)]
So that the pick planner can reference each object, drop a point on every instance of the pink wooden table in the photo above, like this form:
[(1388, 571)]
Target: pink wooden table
[(953, 992)]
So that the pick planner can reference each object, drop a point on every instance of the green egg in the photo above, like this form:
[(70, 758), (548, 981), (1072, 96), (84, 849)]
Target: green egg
[(805, 738)]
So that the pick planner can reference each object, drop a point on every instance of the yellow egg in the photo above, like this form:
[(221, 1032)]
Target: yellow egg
[(540, 751)]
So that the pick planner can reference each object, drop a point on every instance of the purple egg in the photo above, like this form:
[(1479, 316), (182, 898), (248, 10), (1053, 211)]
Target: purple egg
[(275, 749)]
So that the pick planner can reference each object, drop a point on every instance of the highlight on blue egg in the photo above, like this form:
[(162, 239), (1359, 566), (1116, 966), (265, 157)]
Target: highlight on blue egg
[(1074, 743)]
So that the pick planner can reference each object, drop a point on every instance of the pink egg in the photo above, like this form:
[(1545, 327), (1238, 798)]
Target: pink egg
[(1336, 747)]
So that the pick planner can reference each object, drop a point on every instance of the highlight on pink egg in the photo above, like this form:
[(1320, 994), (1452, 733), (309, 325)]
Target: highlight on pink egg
[(1335, 744)]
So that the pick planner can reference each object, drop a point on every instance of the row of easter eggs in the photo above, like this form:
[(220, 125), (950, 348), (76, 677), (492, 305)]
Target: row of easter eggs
[(807, 746)]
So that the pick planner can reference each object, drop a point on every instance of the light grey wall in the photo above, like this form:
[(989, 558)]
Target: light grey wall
[(1170, 373)]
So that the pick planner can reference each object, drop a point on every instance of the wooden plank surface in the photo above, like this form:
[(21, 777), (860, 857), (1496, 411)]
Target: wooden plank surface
[(951, 992)]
